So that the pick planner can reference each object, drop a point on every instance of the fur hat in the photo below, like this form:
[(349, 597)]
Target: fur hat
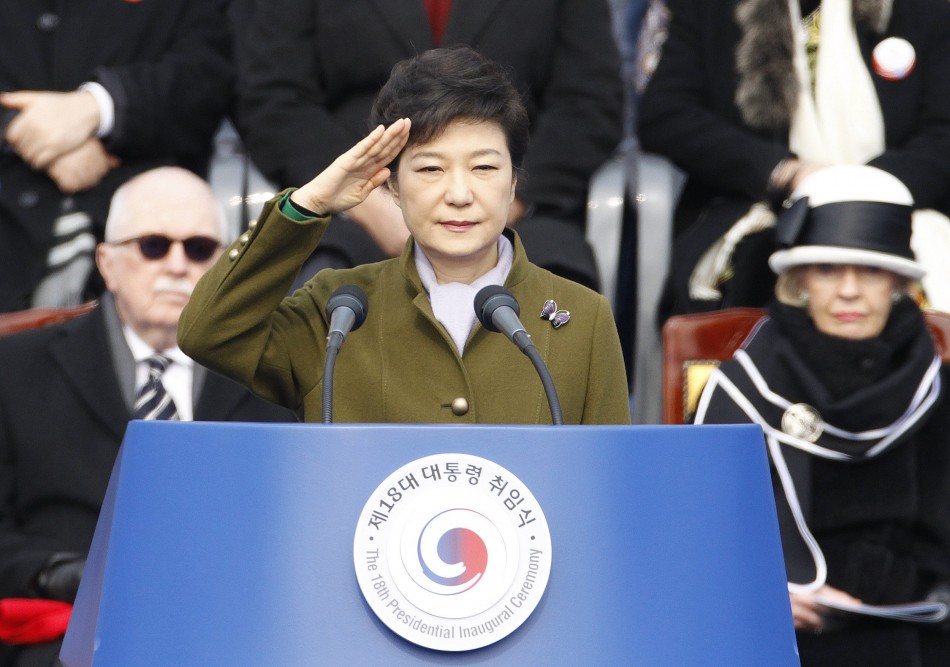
[(847, 214)]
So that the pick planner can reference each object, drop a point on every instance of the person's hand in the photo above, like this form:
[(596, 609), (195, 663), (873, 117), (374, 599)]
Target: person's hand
[(49, 124), (82, 168), (382, 219), (355, 174), (807, 613)]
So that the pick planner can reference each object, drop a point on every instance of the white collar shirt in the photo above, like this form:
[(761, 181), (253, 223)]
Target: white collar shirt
[(178, 379)]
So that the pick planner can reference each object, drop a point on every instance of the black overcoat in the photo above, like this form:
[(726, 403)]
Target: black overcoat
[(62, 419), (883, 524), (167, 67), (689, 114)]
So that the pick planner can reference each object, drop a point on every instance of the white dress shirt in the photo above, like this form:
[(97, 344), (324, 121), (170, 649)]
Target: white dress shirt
[(178, 379)]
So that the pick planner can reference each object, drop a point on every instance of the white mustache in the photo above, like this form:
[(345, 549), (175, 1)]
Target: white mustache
[(166, 284)]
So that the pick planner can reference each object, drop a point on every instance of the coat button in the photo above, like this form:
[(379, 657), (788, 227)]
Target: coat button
[(47, 21), (252, 223), (28, 199), (233, 255), (459, 406), (245, 237)]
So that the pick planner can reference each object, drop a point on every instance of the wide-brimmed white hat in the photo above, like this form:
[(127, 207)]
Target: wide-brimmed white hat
[(848, 214)]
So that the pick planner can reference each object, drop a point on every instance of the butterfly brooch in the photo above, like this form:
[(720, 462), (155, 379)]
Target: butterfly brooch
[(557, 317)]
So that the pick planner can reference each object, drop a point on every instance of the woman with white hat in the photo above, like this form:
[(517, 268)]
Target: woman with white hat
[(843, 377)]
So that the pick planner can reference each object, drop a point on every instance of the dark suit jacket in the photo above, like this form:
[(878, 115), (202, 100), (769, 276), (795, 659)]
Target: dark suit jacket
[(62, 418), (309, 71), (166, 65)]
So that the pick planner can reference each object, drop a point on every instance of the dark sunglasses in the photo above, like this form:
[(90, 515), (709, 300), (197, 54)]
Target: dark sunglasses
[(156, 246)]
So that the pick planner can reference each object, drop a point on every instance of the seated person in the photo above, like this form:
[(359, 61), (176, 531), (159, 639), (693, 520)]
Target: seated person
[(843, 377), (451, 131), (68, 390)]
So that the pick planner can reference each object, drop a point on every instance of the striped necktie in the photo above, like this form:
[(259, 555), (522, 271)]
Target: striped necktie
[(153, 402)]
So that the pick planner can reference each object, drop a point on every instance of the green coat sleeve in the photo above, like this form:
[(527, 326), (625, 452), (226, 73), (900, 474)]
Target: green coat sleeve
[(239, 321)]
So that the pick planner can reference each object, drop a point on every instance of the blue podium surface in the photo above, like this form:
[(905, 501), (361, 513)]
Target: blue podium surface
[(232, 544)]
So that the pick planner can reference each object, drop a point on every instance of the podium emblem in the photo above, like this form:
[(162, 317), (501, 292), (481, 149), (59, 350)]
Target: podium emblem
[(452, 552)]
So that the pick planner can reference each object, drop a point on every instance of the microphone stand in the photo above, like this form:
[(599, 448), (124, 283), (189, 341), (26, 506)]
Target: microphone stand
[(346, 309), (498, 310), (557, 418), (335, 341)]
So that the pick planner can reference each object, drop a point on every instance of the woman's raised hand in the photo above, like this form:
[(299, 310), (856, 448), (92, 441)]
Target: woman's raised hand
[(356, 173)]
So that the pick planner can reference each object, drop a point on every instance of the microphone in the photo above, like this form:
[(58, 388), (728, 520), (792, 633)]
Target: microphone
[(346, 308), (497, 309)]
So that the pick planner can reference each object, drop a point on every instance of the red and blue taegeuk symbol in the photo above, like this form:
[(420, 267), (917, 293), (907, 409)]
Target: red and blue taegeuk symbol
[(460, 557)]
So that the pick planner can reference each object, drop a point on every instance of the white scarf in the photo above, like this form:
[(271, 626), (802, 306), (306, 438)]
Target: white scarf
[(825, 127), (842, 122), (453, 303)]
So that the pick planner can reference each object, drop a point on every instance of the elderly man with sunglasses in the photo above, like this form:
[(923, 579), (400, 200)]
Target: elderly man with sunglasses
[(68, 391)]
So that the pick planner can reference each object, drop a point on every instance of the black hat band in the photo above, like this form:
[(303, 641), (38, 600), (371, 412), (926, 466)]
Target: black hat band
[(862, 225)]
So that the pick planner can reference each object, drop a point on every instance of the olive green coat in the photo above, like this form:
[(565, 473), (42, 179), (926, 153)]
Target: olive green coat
[(401, 365)]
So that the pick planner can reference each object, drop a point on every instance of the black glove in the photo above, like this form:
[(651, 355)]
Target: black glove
[(59, 578)]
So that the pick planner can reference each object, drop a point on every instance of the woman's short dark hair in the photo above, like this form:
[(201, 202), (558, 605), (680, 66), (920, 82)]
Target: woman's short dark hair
[(439, 86)]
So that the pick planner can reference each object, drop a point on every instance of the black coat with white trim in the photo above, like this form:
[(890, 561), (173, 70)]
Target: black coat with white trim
[(883, 524)]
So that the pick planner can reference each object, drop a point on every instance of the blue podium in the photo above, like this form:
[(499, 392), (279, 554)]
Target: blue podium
[(233, 544)]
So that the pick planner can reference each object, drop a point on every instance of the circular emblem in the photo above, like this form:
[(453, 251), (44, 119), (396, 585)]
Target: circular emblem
[(452, 552), (894, 58), (803, 422)]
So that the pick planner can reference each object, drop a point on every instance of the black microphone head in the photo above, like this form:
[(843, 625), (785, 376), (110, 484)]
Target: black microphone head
[(352, 297), (488, 300)]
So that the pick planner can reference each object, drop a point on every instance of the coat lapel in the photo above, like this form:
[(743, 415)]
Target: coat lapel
[(408, 19), (83, 356), (409, 22), (467, 19)]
